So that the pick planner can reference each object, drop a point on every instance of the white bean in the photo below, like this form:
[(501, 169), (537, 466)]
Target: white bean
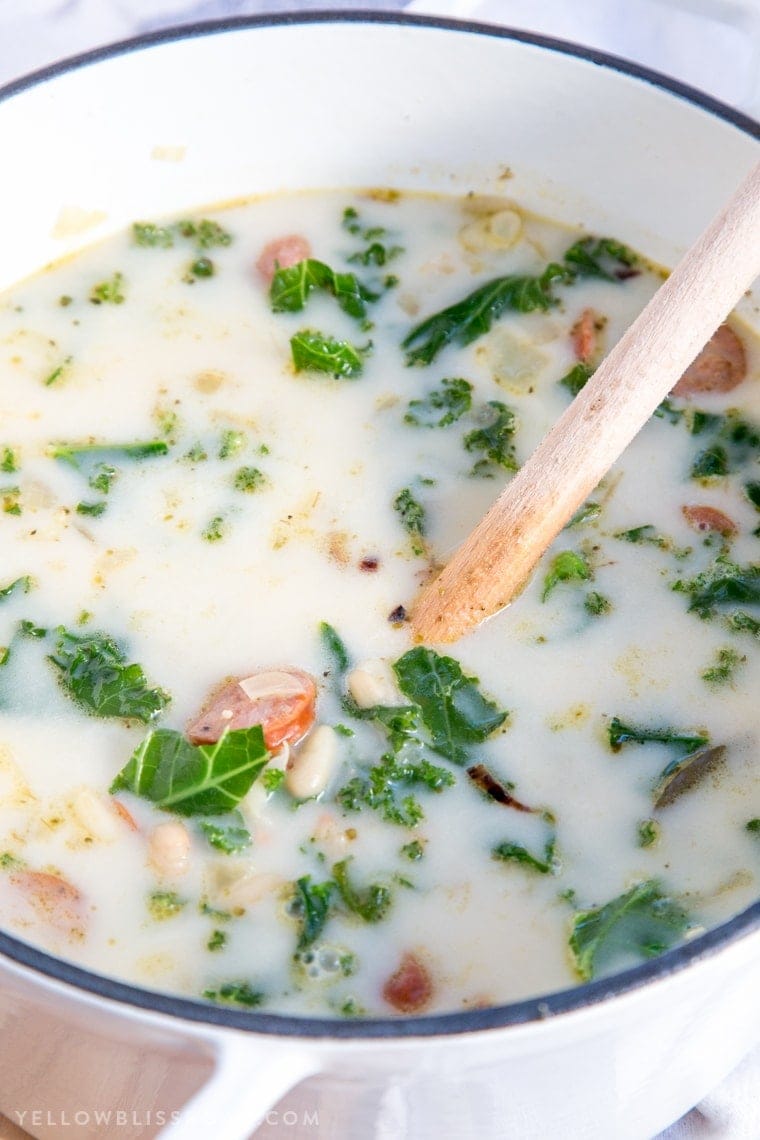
[(372, 683), (95, 816), (311, 766), (169, 849), (236, 884)]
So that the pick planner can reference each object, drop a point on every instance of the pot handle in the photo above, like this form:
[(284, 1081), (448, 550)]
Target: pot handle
[(240, 1091)]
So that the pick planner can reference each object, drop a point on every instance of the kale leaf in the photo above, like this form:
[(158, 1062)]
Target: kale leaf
[(370, 904), (494, 439), (567, 566), (454, 711), (442, 406), (620, 734), (292, 287), (94, 671), (189, 779), (313, 351), (228, 834), (643, 921)]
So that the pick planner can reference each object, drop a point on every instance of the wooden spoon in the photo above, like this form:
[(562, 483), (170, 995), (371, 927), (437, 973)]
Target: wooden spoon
[(494, 563)]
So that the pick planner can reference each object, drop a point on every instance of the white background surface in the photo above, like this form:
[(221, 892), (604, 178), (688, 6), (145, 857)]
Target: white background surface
[(713, 45)]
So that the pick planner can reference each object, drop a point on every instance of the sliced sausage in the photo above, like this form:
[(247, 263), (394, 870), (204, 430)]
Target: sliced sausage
[(709, 518), (281, 254), (583, 335), (282, 701), (410, 988), (720, 367), (50, 899)]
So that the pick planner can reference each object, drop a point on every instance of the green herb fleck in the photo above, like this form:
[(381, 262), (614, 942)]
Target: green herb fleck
[(109, 292), (232, 443), (215, 529), (724, 667), (165, 904), (272, 779), (9, 461), (217, 940), (413, 851), (596, 604), (249, 480), (54, 376), (648, 832)]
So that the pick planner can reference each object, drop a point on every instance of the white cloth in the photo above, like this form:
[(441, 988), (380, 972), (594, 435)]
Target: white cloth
[(713, 45)]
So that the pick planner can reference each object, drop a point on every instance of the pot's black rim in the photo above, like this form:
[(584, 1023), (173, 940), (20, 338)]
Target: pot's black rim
[(470, 1021)]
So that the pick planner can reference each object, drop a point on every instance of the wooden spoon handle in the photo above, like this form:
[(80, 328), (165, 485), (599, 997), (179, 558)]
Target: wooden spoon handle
[(494, 563)]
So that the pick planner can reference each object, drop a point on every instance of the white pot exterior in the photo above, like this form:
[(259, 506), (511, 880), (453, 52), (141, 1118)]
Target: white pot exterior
[(178, 124)]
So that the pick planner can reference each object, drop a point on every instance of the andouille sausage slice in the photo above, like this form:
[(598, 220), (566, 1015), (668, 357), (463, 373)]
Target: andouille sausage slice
[(282, 701), (48, 899), (720, 367), (410, 988), (709, 518), (281, 253)]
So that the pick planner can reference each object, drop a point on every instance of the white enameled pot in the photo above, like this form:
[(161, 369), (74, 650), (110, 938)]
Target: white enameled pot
[(215, 112)]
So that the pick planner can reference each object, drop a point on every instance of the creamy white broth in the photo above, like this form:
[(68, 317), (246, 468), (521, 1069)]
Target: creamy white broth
[(186, 363)]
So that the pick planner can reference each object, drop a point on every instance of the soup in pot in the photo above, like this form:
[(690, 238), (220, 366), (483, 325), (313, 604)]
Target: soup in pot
[(233, 448)]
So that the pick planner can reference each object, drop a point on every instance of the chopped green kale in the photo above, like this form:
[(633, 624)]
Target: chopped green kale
[(370, 904), (620, 734), (643, 922), (381, 789), (94, 671), (311, 906), (228, 834), (567, 566), (723, 670), (313, 351), (494, 439), (17, 586), (235, 993), (514, 852), (723, 584), (412, 515), (442, 406), (577, 377), (335, 647)]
